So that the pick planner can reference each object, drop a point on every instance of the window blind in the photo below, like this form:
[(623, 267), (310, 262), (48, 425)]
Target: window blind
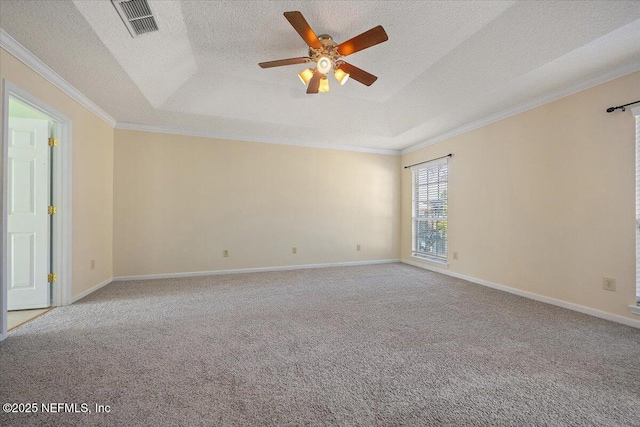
[(430, 210)]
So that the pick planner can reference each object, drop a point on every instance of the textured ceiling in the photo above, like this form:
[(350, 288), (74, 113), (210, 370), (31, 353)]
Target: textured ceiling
[(446, 64)]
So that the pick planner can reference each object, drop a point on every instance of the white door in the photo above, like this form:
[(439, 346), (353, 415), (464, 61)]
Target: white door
[(28, 219)]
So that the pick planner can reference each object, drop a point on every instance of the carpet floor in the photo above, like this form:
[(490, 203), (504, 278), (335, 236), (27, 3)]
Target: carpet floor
[(368, 345)]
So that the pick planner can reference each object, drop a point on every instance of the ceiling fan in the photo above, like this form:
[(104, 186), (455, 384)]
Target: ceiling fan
[(327, 55)]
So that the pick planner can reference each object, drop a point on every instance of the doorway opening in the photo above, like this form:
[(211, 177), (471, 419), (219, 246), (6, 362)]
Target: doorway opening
[(36, 207)]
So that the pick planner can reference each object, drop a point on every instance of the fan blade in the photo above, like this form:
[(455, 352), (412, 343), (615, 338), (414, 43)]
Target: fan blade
[(314, 83), (367, 39), (358, 74), (281, 62), (301, 25)]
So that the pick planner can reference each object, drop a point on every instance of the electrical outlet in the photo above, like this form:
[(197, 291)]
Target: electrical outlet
[(93, 264), (225, 253), (294, 250), (608, 284), (358, 247), (455, 255)]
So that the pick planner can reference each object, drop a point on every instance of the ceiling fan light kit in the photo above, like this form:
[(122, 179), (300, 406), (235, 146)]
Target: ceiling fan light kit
[(341, 76), (305, 76), (324, 64), (328, 55), (324, 85)]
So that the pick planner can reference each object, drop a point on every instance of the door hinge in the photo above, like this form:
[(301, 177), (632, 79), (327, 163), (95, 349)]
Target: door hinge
[(52, 277), (53, 142), (52, 210)]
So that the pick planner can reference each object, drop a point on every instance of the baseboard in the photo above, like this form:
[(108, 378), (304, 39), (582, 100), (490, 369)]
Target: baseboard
[(531, 295), (251, 270), (90, 290)]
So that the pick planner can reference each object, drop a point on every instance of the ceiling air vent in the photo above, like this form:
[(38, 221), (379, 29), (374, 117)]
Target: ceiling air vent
[(136, 15)]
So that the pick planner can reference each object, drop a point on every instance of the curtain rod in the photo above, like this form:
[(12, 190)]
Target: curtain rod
[(427, 161), (612, 109)]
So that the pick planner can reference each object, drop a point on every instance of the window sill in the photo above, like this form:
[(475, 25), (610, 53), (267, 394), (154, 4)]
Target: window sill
[(635, 309), (431, 261)]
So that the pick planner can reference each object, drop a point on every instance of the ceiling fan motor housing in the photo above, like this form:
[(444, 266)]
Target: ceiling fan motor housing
[(329, 50)]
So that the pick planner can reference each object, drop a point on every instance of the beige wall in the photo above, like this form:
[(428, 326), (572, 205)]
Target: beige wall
[(180, 201), (92, 176), (544, 201)]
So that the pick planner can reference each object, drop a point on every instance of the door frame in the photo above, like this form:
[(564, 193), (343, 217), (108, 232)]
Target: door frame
[(62, 195)]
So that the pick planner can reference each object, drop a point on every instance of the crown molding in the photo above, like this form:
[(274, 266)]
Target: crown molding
[(258, 139), (529, 105), (16, 49)]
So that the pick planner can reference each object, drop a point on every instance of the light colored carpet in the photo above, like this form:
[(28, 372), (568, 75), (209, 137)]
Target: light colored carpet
[(372, 345)]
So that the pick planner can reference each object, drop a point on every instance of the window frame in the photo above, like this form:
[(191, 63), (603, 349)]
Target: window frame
[(441, 216), (636, 113)]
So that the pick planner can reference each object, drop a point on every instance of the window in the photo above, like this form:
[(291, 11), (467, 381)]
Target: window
[(430, 209)]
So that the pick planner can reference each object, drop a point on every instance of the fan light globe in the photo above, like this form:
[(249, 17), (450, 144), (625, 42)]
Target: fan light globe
[(341, 76), (324, 64), (324, 85), (306, 75)]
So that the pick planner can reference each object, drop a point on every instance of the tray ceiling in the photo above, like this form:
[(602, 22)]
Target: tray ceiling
[(446, 64)]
